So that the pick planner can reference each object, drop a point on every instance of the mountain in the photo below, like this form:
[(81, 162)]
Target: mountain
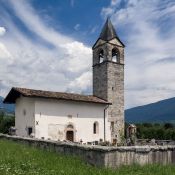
[(7, 108), (161, 111)]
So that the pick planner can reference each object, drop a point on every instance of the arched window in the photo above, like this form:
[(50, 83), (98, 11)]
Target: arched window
[(95, 128), (70, 126), (115, 55), (101, 56)]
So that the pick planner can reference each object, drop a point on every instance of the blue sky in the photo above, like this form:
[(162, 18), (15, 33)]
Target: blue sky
[(47, 45), (74, 18)]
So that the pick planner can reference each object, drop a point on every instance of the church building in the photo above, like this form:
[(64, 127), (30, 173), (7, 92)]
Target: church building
[(75, 117)]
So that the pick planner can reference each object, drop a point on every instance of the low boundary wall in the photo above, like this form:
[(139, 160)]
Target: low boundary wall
[(105, 156)]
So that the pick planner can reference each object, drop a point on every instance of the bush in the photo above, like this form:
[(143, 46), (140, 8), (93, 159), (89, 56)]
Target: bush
[(157, 131), (168, 126), (148, 125), (5, 123)]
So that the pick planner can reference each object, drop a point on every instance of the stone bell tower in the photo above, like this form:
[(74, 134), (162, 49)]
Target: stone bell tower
[(108, 77)]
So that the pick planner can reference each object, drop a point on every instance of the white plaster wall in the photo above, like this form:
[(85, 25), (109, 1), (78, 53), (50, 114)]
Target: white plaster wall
[(52, 118), (23, 121)]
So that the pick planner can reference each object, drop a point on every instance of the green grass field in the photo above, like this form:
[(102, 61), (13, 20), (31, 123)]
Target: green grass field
[(20, 159)]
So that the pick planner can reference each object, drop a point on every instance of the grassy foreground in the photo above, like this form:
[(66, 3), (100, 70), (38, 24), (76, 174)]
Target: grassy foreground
[(16, 159)]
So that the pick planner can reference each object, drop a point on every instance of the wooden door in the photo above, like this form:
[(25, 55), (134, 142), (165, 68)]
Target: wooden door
[(70, 136)]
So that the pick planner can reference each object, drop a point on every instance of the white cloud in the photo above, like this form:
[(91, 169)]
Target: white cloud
[(148, 41), (77, 27), (2, 31), (72, 3), (107, 11), (4, 52), (25, 62), (82, 82), (33, 22), (77, 57), (94, 29), (115, 2), (35, 65)]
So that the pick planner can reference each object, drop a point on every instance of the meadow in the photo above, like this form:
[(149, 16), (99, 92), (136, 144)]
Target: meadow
[(18, 159)]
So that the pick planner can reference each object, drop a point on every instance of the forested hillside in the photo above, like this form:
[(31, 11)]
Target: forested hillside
[(159, 112), (7, 108)]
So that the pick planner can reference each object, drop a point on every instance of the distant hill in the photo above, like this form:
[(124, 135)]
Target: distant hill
[(7, 108), (162, 111)]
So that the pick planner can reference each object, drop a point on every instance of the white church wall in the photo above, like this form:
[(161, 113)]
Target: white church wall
[(53, 117), (24, 115)]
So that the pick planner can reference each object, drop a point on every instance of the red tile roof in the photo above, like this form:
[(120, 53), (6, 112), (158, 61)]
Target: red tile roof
[(16, 92)]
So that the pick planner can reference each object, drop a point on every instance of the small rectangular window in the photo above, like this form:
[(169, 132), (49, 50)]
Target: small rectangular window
[(29, 131), (112, 126), (96, 128)]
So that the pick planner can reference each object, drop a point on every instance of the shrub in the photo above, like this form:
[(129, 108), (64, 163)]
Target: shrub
[(5, 123)]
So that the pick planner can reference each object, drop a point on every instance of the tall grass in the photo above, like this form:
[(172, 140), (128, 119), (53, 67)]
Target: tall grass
[(16, 159)]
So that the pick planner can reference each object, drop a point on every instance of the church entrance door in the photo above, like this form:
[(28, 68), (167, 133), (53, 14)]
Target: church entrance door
[(70, 136)]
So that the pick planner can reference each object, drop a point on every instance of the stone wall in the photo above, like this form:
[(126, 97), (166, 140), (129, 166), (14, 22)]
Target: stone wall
[(105, 156)]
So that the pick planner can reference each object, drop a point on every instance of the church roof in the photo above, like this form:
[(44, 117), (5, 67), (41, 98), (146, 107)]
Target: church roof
[(108, 32), (17, 92)]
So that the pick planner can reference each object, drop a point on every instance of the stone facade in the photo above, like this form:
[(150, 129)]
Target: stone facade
[(108, 83)]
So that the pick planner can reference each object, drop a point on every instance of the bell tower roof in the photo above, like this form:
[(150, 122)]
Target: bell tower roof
[(108, 32)]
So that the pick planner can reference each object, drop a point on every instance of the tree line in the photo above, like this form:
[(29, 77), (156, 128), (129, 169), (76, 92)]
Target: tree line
[(6, 122), (156, 131)]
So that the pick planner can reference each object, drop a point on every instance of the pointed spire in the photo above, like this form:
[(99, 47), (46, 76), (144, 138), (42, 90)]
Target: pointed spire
[(108, 32)]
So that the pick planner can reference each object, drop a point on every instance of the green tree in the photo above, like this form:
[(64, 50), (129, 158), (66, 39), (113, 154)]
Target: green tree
[(173, 135), (160, 134), (168, 126), (1, 116), (6, 123), (148, 125), (157, 124), (157, 131)]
